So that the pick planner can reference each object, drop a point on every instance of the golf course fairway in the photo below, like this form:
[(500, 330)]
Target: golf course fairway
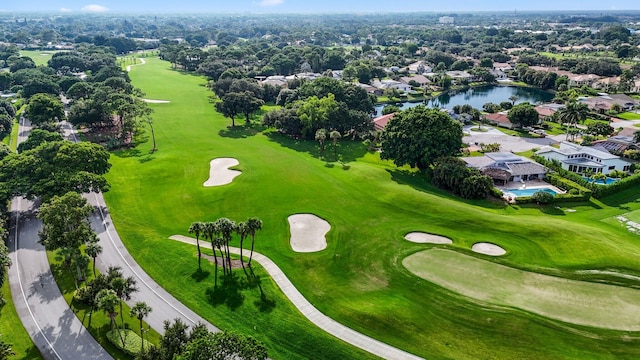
[(572, 301)]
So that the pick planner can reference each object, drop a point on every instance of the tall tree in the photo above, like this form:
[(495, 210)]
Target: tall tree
[(93, 249), (107, 302), (418, 136), (230, 106), (523, 115), (124, 288), (335, 135), (226, 228), (210, 233), (140, 310), (573, 113), (197, 228), (253, 225), (321, 136), (44, 108), (243, 231)]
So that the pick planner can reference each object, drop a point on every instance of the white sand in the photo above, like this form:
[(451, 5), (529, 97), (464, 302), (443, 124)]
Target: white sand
[(219, 174), (488, 249), (152, 101), (308, 233), (424, 238)]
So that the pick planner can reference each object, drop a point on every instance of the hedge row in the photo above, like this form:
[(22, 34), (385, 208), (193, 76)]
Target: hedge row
[(622, 184), (575, 191)]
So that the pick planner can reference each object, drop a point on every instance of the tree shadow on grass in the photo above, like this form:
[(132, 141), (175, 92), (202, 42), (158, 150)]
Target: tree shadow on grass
[(348, 150), (420, 182), (229, 292), (199, 275), (265, 304), (241, 132), (127, 153)]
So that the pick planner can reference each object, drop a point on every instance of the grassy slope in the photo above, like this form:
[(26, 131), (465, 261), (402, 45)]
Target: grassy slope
[(12, 330), (40, 57), (629, 116), (359, 280), (576, 302)]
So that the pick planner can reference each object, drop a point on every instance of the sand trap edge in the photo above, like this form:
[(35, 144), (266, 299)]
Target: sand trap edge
[(426, 238), (219, 172), (312, 236), (486, 248)]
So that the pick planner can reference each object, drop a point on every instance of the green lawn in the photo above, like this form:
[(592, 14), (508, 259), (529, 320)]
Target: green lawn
[(576, 302), (12, 330), (40, 57), (98, 322), (629, 116), (359, 280)]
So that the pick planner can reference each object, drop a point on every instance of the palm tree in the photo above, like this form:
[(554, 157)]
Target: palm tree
[(140, 310), (513, 99), (107, 301), (253, 224), (93, 249), (573, 113), (123, 288), (197, 228), (209, 232), (321, 136), (226, 228), (334, 135), (243, 230)]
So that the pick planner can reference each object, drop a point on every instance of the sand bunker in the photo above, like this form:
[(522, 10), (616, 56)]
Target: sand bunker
[(219, 173), (424, 238), (152, 101), (308, 233), (488, 249)]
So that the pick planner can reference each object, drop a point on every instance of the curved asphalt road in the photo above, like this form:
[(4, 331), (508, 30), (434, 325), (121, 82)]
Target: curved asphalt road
[(54, 328)]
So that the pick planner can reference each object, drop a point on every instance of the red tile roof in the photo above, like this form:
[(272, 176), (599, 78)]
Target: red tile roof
[(380, 122)]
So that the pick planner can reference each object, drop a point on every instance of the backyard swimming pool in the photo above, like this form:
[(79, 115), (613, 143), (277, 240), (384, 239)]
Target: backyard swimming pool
[(608, 181), (528, 192)]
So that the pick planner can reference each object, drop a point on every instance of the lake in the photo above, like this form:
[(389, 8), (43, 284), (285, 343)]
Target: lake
[(479, 96)]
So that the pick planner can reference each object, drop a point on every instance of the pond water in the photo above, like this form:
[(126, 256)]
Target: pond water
[(479, 96)]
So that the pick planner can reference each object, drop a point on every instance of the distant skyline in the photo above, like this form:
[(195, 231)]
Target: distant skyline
[(302, 6)]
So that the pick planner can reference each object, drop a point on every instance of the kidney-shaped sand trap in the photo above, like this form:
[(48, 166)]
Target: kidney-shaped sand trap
[(308, 233), (488, 249), (219, 173), (424, 238)]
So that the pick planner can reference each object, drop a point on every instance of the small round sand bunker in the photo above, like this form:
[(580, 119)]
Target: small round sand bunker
[(219, 173), (425, 238), (308, 233), (488, 249)]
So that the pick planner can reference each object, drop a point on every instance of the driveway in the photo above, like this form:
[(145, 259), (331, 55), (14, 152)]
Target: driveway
[(507, 142)]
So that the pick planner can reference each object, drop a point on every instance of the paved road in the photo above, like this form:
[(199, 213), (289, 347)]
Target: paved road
[(54, 328), (114, 253), (314, 315), (507, 142)]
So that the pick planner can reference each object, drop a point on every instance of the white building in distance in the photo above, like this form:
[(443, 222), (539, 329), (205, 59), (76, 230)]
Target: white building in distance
[(446, 20)]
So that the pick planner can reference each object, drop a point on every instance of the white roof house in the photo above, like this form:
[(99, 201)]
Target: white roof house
[(506, 167), (388, 84), (581, 159)]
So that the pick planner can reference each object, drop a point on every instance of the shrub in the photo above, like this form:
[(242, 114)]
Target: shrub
[(497, 192), (542, 197), (132, 341)]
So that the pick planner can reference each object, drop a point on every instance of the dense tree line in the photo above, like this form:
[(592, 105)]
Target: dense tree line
[(453, 174)]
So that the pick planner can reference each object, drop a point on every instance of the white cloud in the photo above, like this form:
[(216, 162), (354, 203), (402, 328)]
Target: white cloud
[(266, 3), (94, 8), (65, 10)]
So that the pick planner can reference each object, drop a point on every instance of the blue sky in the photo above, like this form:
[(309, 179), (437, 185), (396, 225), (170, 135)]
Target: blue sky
[(307, 6)]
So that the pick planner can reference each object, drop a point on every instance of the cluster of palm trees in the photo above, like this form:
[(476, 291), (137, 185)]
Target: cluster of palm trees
[(219, 233), (107, 292), (573, 113), (321, 136)]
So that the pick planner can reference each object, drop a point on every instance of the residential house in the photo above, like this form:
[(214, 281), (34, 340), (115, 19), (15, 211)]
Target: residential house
[(604, 102), (580, 80), (392, 84), (371, 89), (380, 122), (546, 111), (505, 167), (618, 144), (500, 119), (275, 80), (504, 67), (499, 74), (460, 76), (419, 67), (584, 159), (420, 79)]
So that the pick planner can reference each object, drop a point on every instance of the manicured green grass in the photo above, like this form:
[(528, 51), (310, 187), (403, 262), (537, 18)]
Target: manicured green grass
[(628, 116), (523, 134), (576, 302), (633, 216), (12, 330), (359, 280), (97, 322), (554, 128), (40, 57)]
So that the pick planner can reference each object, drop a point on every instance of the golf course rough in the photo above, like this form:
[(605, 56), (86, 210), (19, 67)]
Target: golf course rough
[(425, 238), (571, 301), (308, 233), (219, 172)]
